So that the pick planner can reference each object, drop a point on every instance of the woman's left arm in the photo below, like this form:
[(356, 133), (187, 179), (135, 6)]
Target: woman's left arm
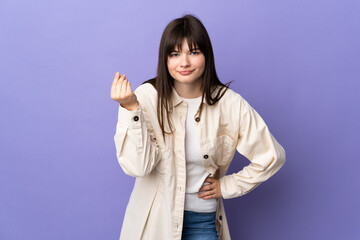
[(258, 145)]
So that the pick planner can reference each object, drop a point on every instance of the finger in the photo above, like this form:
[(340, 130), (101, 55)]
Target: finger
[(119, 86), (122, 78), (210, 196), (116, 77), (114, 83), (128, 91), (210, 192), (206, 187), (123, 87), (207, 193), (207, 181), (210, 180)]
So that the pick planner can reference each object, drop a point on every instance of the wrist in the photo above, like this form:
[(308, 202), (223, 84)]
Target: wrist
[(130, 107)]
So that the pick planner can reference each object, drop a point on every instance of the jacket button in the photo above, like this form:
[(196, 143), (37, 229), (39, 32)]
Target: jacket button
[(197, 119), (206, 156), (220, 217), (136, 118)]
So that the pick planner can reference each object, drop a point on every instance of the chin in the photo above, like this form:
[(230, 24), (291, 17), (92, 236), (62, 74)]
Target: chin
[(186, 81)]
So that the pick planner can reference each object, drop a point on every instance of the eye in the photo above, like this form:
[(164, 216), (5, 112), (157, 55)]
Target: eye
[(173, 54), (195, 52)]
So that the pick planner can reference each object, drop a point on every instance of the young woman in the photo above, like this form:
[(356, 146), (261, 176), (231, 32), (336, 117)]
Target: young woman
[(177, 134)]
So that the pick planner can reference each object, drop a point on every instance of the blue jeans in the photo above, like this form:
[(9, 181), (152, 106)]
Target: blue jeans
[(199, 226)]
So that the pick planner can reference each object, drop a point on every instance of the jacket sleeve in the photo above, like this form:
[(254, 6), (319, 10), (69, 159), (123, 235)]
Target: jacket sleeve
[(136, 153), (258, 145)]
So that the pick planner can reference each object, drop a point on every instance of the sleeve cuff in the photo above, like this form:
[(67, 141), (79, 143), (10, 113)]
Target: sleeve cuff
[(228, 186), (130, 119)]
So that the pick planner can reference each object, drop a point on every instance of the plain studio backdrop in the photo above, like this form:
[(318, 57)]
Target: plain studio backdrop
[(296, 62)]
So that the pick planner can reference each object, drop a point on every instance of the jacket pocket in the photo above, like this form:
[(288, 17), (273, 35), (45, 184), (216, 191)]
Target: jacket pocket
[(224, 149)]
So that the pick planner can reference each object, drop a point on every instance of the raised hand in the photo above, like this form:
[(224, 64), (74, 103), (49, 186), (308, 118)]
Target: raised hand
[(122, 93)]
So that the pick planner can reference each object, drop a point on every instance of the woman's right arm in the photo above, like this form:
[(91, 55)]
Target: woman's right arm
[(136, 153)]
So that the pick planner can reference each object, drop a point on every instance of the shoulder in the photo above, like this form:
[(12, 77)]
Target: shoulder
[(233, 104), (146, 89), (146, 94), (230, 96)]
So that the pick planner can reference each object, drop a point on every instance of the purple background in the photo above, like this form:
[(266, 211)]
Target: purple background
[(296, 62)]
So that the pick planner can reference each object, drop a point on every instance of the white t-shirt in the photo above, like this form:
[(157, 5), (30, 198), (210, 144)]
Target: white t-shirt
[(195, 171)]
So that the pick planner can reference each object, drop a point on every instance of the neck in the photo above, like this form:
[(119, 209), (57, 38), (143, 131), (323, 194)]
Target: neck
[(188, 90)]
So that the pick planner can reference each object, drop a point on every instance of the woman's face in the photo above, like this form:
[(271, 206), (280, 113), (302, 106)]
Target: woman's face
[(186, 66)]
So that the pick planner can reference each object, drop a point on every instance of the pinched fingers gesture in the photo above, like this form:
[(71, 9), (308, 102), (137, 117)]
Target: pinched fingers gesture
[(122, 93), (211, 190)]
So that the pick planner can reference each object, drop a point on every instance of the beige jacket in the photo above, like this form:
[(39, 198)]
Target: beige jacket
[(156, 205)]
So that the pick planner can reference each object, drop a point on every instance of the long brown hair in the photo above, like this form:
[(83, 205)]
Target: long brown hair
[(192, 29)]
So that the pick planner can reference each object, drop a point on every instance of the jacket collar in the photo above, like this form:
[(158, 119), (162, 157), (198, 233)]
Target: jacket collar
[(176, 99)]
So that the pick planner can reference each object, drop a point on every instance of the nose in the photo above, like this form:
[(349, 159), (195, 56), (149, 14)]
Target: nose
[(185, 62)]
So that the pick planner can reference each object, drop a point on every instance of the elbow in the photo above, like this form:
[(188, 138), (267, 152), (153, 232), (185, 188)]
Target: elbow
[(136, 161), (278, 159), (283, 156), (131, 170), (280, 156), (135, 174)]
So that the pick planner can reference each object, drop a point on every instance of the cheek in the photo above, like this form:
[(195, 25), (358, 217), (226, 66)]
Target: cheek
[(201, 66), (170, 65), (200, 62), (171, 69)]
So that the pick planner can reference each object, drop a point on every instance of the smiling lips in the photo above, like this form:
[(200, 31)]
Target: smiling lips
[(185, 72)]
